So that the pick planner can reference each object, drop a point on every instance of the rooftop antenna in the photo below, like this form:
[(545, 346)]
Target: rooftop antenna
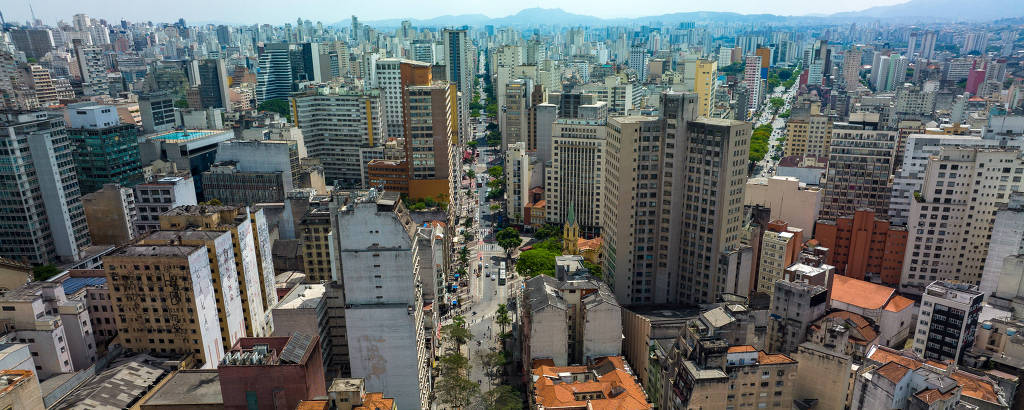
[(31, 11)]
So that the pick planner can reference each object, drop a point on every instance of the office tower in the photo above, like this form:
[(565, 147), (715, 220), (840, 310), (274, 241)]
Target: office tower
[(752, 79), (35, 43), (780, 247), (459, 59), (166, 292), (106, 151), (251, 172), (378, 250), (703, 177), (948, 320), (631, 196), (212, 80), (860, 163), (253, 274), (92, 67), (223, 274), (336, 121), (706, 74), (851, 68), (111, 213), (638, 63), (224, 35), (393, 76), (161, 195), (48, 224), (431, 138), (423, 51), (956, 205), (157, 111), (808, 131), (864, 246), (272, 372), (194, 150), (274, 73), (573, 183), (515, 114)]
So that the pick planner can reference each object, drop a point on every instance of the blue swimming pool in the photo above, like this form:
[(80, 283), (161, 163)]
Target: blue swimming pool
[(182, 135)]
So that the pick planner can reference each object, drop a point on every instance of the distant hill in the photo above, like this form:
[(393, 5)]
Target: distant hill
[(911, 11), (943, 10)]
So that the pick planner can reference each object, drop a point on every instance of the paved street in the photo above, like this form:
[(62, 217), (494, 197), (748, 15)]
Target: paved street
[(766, 167)]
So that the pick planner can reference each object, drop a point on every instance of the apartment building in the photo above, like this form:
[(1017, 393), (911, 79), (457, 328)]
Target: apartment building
[(393, 76), (111, 213), (257, 294), (165, 301), (154, 198), (780, 248), (808, 132), (431, 141), (788, 198), (860, 165), (336, 121), (58, 331), (961, 192), (721, 376), (947, 321), (864, 246), (800, 297)]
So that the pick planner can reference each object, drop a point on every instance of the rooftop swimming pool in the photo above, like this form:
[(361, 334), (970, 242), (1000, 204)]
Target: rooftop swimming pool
[(182, 135)]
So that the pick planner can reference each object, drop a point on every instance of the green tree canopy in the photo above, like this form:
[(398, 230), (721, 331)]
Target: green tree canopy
[(44, 272), (278, 105), (509, 240), (496, 172), (453, 387), (503, 397), (457, 331), (535, 262)]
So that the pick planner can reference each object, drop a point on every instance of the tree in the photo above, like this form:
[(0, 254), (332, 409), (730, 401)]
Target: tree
[(472, 144), (509, 240), (496, 172), (547, 231), (278, 105), (785, 75), (44, 272), (453, 387), (457, 332), (776, 102), (502, 318), (492, 361), (535, 262), (594, 268), (503, 397), (182, 103), (213, 202)]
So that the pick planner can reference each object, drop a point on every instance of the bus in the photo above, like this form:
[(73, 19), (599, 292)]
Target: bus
[(502, 265), (501, 277)]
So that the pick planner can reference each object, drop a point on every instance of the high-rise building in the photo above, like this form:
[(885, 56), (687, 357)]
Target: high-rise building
[(863, 246), (211, 76), (106, 151), (157, 111), (379, 249), (780, 247), (808, 131), (336, 121), (569, 321), (166, 292), (1002, 279), (274, 73), (35, 43), (631, 196), (58, 331), (957, 204), (752, 78), (860, 164), (851, 68), (111, 213), (573, 184), (251, 172), (223, 274), (48, 224), (431, 141), (706, 75), (459, 57), (948, 320), (393, 76), (161, 195), (638, 63), (92, 67), (253, 276)]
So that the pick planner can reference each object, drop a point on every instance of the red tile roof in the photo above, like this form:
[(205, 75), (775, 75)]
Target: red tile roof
[(860, 293), (614, 390)]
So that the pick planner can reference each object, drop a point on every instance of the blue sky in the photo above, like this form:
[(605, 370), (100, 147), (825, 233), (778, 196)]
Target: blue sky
[(330, 11)]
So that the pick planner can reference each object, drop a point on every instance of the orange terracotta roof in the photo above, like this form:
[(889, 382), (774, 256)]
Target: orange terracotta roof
[(864, 327), (898, 303), (937, 365), (765, 358), (589, 243), (892, 371), (860, 293), (884, 355), (538, 204), (930, 396), (312, 405), (615, 390), (741, 348), (376, 401), (975, 387)]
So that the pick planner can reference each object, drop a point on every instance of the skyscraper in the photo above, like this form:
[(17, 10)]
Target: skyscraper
[(860, 163), (274, 73), (212, 78), (48, 223), (91, 65), (752, 78), (459, 59), (106, 151), (851, 68)]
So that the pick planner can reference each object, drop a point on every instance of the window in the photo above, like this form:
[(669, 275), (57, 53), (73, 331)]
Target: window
[(8, 308)]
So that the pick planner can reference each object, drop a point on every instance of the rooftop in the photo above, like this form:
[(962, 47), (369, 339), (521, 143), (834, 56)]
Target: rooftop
[(72, 285), (118, 386), (305, 296), (607, 384), (189, 387), (376, 401), (156, 250), (182, 136), (860, 293)]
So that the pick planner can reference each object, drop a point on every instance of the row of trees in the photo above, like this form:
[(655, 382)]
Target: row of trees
[(455, 388), (759, 142)]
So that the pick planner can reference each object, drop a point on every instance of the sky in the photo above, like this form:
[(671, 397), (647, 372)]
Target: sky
[(331, 11)]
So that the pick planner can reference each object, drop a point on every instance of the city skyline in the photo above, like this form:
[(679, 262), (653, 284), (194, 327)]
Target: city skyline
[(263, 11)]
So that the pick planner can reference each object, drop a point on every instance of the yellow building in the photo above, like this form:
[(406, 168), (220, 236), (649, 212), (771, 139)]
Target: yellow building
[(234, 219), (704, 85), (808, 134)]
